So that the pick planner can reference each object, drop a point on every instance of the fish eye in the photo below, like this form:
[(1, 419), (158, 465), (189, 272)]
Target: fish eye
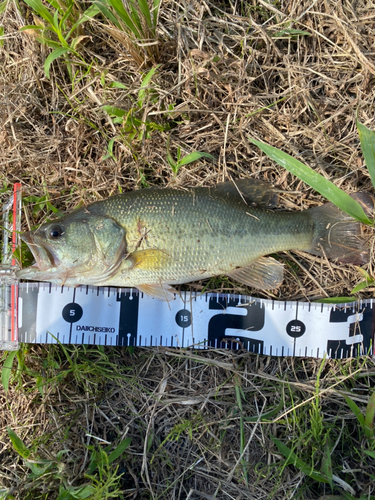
[(55, 231)]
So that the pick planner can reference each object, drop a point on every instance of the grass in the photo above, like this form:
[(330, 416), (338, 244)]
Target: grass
[(106, 97)]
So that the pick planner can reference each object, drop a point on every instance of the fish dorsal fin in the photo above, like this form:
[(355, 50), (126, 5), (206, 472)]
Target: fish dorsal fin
[(265, 273), (162, 291), (251, 191)]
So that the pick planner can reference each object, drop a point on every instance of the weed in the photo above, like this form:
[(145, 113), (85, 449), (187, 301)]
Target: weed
[(239, 396), (366, 420), (63, 21), (325, 187), (45, 473), (134, 126), (185, 160), (134, 26)]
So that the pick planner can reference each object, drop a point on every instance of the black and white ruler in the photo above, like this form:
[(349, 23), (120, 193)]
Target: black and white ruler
[(42, 313), (125, 317)]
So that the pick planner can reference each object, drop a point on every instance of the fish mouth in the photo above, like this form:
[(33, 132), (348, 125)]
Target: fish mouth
[(44, 257)]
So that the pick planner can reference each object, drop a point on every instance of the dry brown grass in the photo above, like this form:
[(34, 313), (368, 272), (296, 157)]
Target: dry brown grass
[(228, 79)]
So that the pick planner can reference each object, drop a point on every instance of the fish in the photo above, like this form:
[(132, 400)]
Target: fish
[(155, 238)]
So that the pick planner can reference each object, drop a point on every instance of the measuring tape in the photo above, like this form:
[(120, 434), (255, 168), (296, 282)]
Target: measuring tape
[(43, 313)]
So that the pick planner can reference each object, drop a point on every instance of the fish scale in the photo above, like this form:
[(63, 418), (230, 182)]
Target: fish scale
[(201, 236)]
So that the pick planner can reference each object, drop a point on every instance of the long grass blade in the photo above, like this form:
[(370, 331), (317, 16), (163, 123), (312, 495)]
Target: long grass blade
[(155, 12), (367, 138), (18, 444), (134, 15), (196, 155), (108, 14), (65, 16), (369, 417), (325, 187), (91, 12), (119, 450), (119, 8), (53, 55), (41, 10), (292, 458), (57, 6), (145, 9), (7, 370), (50, 43), (112, 110), (31, 27), (3, 6), (146, 80), (327, 461), (355, 409)]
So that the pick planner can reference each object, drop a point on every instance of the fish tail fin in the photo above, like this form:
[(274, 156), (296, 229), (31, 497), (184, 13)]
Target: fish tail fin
[(337, 235)]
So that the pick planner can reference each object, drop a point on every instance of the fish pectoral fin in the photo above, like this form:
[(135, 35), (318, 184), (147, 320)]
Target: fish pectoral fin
[(162, 292), (252, 191), (264, 274), (150, 259)]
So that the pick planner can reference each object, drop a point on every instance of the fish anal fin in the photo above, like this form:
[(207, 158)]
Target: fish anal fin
[(159, 291), (265, 273), (251, 191)]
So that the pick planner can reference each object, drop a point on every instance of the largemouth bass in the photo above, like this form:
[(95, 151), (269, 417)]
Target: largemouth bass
[(154, 238)]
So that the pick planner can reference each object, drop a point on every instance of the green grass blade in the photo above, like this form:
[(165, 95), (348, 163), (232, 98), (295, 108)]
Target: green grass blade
[(91, 12), (7, 370), (112, 110), (355, 409), (30, 27), (119, 8), (65, 16), (325, 187), (267, 415), (146, 80), (145, 9), (327, 461), (293, 459), (56, 6), (367, 138), (18, 444), (119, 450), (3, 6), (155, 12), (336, 300), (108, 14), (196, 155), (50, 43), (41, 10), (134, 15), (369, 417), (53, 55), (56, 20), (289, 33), (362, 285)]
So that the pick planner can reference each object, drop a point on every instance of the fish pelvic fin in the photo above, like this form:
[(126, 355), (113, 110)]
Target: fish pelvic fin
[(338, 236), (265, 273), (159, 291)]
